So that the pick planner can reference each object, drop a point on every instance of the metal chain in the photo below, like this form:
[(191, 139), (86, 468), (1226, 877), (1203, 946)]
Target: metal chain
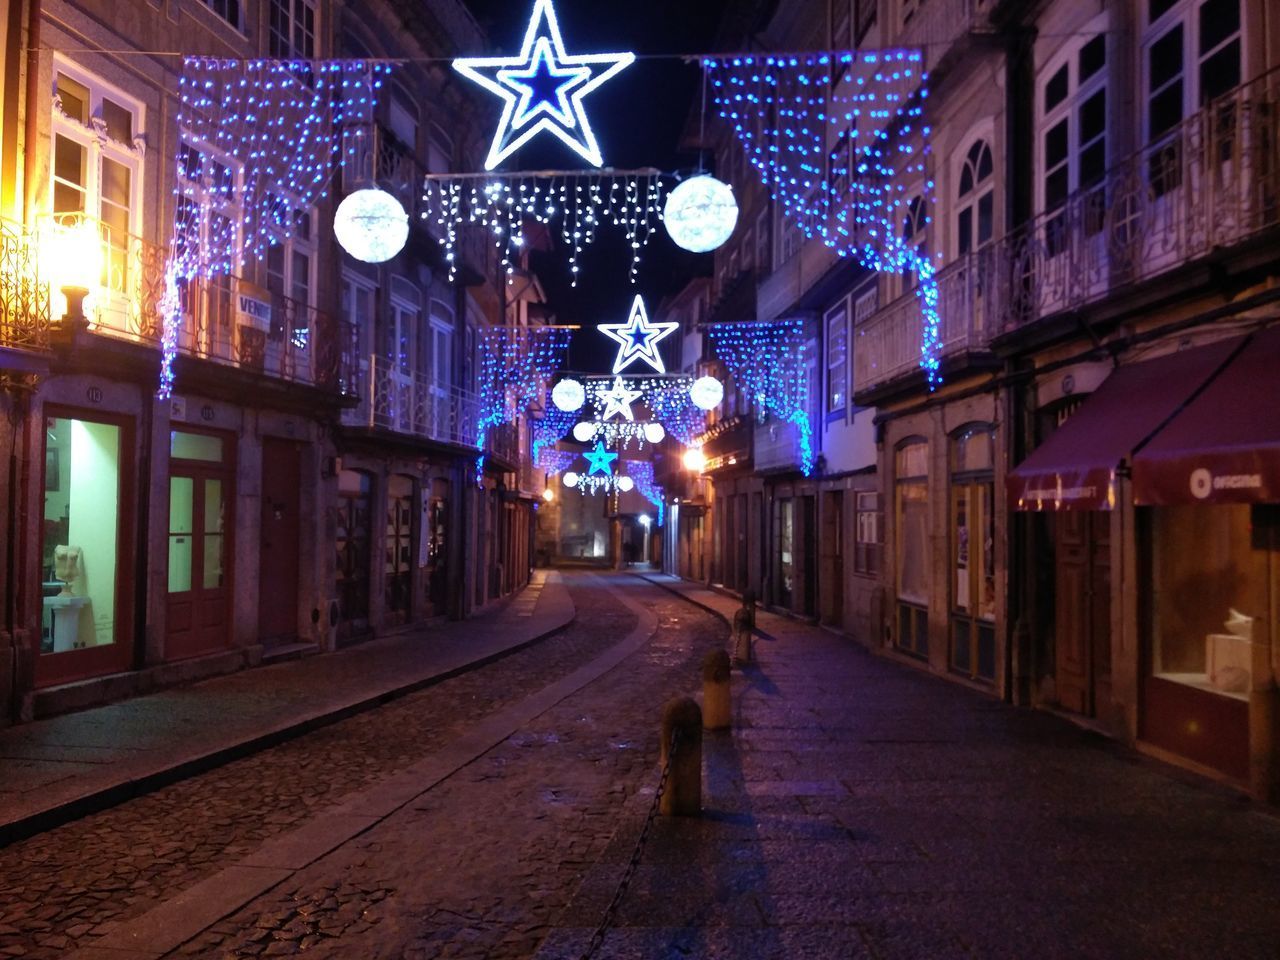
[(619, 894)]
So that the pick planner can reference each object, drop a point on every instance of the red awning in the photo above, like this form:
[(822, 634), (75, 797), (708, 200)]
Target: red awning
[(1224, 446), (1075, 469)]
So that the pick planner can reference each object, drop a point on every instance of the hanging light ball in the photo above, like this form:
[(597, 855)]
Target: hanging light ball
[(706, 393), (371, 225), (626, 484), (570, 479), (654, 432), (568, 395), (584, 431), (700, 214)]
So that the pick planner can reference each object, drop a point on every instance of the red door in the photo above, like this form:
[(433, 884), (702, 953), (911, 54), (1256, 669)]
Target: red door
[(281, 523), (199, 605)]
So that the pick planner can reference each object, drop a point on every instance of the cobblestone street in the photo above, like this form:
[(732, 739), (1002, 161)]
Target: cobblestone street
[(859, 808)]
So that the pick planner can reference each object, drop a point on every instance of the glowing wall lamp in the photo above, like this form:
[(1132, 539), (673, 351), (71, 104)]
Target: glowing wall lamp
[(71, 257), (695, 461)]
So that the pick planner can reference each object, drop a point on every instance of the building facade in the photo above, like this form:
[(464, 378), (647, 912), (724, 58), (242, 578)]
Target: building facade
[(1081, 516), (313, 479)]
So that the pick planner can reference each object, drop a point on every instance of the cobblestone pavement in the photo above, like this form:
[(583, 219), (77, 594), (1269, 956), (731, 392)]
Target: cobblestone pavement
[(58, 889), (483, 865)]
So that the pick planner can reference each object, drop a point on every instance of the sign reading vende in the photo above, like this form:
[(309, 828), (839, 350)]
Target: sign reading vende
[(253, 307)]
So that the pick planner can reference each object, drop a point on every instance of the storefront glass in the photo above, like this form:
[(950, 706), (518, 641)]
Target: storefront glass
[(81, 534), (1210, 597)]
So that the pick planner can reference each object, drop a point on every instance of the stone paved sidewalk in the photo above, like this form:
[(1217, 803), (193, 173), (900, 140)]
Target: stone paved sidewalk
[(55, 770), (861, 808)]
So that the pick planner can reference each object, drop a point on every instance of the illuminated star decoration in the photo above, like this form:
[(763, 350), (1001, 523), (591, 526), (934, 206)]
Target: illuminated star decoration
[(601, 460), (639, 338), (543, 89), (618, 399)]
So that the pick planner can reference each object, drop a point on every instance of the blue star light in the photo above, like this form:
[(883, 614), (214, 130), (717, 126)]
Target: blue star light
[(639, 338), (601, 460), (543, 89)]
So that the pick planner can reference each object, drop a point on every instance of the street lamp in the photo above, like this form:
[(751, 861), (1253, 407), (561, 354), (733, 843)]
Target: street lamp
[(695, 461), (71, 254), (548, 494)]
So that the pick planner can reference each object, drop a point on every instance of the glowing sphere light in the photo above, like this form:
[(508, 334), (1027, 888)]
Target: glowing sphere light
[(626, 484), (701, 213), (706, 393), (570, 479), (654, 432), (371, 225), (584, 431), (568, 395)]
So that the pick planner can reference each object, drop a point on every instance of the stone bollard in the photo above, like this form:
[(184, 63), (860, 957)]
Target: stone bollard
[(716, 701), (744, 628), (683, 794)]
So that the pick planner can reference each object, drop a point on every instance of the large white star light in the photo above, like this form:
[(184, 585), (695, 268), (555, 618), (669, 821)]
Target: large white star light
[(543, 89), (639, 338)]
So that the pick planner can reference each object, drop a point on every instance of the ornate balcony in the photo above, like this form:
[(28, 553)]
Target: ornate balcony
[(401, 401), (887, 345), (936, 26), (24, 301), (1210, 184)]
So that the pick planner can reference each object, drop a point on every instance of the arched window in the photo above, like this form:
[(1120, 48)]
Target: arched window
[(913, 236), (975, 199)]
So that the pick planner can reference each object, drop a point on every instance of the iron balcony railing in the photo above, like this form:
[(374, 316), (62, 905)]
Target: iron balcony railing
[(1210, 183), (888, 344), (224, 320), (24, 300), (933, 26)]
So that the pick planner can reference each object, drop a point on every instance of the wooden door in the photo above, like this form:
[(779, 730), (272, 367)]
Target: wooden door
[(832, 593), (1082, 597), (281, 525), (199, 603)]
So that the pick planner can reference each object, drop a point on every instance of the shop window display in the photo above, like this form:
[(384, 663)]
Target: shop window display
[(1210, 598), (81, 534)]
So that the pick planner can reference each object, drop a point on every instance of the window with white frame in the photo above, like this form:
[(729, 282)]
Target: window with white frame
[(229, 10), (401, 330), (837, 320), (291, 29), (441, 345), (96, 164), (975, 197), (402, 117), (439, 150), (290, 267), (915, 220), (358, 299), (1073, 135)]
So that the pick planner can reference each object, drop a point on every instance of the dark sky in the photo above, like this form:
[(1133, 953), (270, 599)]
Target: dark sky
[(637, 117)]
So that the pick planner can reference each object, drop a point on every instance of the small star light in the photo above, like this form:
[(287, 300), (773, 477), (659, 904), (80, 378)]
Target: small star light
[(543, 89), (618, 399), (700, 214), (639, 338), (601, 460), (371, 225)]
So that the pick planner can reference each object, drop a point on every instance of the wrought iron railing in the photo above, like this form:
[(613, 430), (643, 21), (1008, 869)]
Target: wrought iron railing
[(24, 303), (1210, 183), (888, 344), (935, 25), (393, 398)]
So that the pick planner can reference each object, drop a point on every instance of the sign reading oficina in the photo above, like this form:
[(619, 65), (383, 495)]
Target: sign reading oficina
[(253, 307)]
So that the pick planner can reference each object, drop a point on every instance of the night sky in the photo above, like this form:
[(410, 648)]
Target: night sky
[(638, 117)]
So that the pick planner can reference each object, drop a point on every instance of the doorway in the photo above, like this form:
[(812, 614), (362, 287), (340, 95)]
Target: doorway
[(281, 526), (201, 478), (1082, 613), (399, 547), (832, 593)]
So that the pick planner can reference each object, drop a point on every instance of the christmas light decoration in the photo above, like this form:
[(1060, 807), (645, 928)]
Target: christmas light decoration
[(706, 393), (638, 338), (260, 141), (837, 156), (618, 400), (521, 83), (515, 364), (766, 361), (593, 485), (553, 461), (670, 403), (694, 460), (550, 428), (504, 205), (600, 460), (641, 471), (371, 225), (568, 395), (584, 432), (700, 214), (619, 435)]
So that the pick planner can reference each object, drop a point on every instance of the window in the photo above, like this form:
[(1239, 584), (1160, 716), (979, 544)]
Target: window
[(864, 308), (402, 114), (973, 600), (82, 535), (911, 482), (398, 336), (1073, 141), (96, 167), (439, 150), (976, 199), (837, 358), (358, 309), (864, 18), (866, 540), (913, 236), (841, 24), (291, 31), (228, 10)]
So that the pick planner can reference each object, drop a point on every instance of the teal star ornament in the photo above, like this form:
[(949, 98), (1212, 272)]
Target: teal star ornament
[(639, 338), (601, 460), (542, 89)]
